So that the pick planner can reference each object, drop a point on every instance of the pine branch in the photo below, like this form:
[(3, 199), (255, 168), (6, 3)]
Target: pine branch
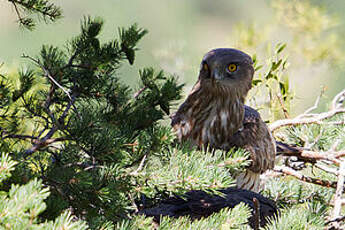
[(41, 8), (35, 140), (43, 142), (137, 94), (47, 139), (47, 74)]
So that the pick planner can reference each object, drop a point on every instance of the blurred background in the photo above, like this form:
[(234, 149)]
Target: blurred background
[(181, 32)]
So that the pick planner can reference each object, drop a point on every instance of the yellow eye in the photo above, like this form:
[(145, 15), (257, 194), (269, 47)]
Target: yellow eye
[(232, 67), (205, 66)]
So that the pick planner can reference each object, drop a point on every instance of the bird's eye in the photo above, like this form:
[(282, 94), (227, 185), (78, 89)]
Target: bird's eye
[(205, 66), (232, 67)]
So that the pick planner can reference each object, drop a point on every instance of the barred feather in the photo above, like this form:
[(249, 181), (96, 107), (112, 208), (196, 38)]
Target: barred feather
[(249, 180)]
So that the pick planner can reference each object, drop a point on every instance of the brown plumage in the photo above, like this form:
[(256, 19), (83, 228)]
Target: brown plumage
[(214, 115)]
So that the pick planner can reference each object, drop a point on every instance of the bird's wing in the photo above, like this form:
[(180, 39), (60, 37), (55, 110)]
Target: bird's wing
[(250, 115), (256, 138)]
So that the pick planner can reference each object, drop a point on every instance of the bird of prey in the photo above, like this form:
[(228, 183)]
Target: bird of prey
[(214, 115)]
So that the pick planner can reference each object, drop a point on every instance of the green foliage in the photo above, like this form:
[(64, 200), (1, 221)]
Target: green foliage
[(43, 9), (6, 166), (312, 44), (235, 218), (300, 217), (176, 171), (311, 25), (84, 133), (129, 37), (303, 206), (273, 82), (21, 206)]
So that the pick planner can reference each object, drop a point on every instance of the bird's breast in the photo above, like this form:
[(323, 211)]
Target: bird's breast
[(211, 126)]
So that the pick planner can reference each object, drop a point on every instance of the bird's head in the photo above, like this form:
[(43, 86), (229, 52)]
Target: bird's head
[(227, 68)]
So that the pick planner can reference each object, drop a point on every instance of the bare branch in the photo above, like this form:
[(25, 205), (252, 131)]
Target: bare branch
[(289, 171), (309, 156), (307, 118), (256, 214), (339, 154), (315, 119), (337, 219), (338, 100), (316, 104), (339, 191)]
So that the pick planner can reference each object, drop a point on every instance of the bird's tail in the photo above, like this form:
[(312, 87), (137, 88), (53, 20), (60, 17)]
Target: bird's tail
[(286, 149), (249, 180)]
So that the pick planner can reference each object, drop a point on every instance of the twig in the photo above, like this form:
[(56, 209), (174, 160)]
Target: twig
[(338, 100), (17, 12), (35, 140), (285, 111), (47, 73), (320, 156), (339, 191), (327, 169), (291, 172), (16, 136), (136, 209), (41, 142), (52, 15), (256, 214), (136, 95), (316, 104), (141, 165), (68, 107), (339, 154), (307, 118)]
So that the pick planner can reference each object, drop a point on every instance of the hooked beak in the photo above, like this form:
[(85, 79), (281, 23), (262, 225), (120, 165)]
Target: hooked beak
[(217, 75)]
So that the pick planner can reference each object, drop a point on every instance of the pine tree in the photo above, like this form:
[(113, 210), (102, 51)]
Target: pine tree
[(81, 149), (83, 129)]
